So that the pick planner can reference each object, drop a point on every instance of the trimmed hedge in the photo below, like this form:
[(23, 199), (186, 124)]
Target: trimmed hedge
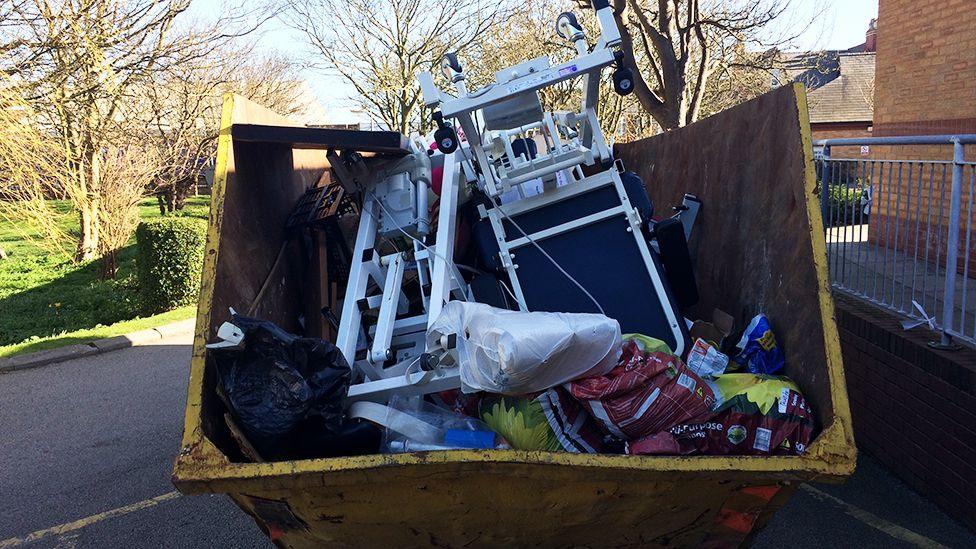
[(169, 261), (844, 206)]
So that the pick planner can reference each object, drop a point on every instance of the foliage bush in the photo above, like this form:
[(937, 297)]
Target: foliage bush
[(846, 183), (44, 294), (844, 205), (169, 261)]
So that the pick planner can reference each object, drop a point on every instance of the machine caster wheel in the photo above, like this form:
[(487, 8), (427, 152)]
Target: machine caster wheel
[(446, 139), (623, 81), (450, 65), (567, 25)]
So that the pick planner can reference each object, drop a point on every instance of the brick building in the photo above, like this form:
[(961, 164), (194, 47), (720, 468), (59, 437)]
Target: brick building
[(924, 85), (840, 88), (913, 406), (843, 107), (926, 67)]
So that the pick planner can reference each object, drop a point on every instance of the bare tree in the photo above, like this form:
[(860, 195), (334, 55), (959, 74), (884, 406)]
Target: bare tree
[(32, 171), (84, 59), (740, 76), (130, 166), (180, 111), (528, 33), (675, 47), (379, 48), (865, 89)]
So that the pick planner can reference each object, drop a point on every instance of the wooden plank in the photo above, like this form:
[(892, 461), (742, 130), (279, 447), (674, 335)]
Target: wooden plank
[(317, 281), (263, 183), (241, 439), (383, 142), (255, 188), (259, 195)]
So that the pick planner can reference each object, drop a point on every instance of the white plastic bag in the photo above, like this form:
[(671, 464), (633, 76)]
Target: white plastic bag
[(514, 352)]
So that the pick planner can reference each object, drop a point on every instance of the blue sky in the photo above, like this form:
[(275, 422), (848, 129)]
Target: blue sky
[(842, 25)]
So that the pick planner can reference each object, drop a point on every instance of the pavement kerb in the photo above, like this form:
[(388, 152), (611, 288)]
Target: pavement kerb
[(99, 346)]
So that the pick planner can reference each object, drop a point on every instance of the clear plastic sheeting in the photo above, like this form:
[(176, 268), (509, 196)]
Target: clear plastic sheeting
[(413, 425), (515, 352)]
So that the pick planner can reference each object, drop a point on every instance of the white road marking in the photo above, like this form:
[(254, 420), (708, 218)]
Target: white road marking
[(874, 521), (69, 527)]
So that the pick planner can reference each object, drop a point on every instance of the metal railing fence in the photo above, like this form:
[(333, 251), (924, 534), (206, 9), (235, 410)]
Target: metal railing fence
[(900, 232)]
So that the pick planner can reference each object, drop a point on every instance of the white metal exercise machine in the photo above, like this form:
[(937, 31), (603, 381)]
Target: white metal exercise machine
[(551, 177), (546, 180)]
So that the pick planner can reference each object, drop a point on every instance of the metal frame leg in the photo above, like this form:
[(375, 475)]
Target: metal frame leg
[(389, 305), (350, 325), (443, 271)]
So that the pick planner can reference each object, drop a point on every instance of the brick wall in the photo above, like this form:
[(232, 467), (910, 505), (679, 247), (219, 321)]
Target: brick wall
[(914, 408), (912, 206), (924, 73), (925, 67), (836, 130), (913, 233)]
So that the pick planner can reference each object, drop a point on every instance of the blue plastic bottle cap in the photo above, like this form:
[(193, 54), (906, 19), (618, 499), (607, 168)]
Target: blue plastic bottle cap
[(469, 439)]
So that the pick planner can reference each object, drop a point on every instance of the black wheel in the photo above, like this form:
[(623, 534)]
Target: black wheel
[(446, 139), (451, 60), (568, 18), (623, 81)]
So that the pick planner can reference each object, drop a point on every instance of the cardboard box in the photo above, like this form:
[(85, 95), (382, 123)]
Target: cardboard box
[(714, 332)]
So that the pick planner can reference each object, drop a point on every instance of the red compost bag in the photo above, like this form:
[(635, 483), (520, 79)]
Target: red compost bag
[(761, 415), (647, 392)]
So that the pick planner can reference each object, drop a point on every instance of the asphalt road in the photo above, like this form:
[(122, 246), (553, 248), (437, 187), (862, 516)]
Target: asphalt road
[(86, 449)]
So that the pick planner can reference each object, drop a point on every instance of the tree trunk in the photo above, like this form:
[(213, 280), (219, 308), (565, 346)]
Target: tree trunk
[(167, 199), (109, 266), (182, 190), (88, 239), (668, 116), (88, 208)]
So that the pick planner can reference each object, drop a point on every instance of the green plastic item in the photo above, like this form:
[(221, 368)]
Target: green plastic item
[(649, 344)]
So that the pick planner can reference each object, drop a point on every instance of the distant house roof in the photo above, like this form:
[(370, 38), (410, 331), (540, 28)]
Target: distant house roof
[(840, 84)]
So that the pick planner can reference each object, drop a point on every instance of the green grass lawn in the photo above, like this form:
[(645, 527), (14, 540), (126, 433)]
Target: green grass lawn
[(46, 299), (99, 332)]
